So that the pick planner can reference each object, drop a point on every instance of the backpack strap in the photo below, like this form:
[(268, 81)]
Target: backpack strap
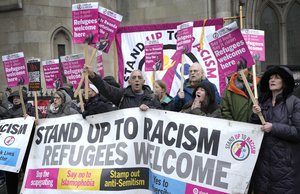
[(290, 105)]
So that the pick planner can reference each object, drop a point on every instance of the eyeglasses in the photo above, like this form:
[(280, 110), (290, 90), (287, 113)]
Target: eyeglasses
[(56, 97), (137, 77)]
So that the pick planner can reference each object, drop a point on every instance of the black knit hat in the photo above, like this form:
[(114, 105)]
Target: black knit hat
[(16, 93), (111, 81), (286, 75), (209, 88)]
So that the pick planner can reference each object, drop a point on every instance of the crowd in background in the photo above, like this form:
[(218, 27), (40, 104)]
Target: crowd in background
[(278, 166)]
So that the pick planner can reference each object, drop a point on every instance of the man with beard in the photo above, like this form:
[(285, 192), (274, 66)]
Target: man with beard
[(137, 94), (196, 76)]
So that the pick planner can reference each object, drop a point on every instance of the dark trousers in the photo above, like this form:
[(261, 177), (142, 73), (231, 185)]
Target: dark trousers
[(12, 181)]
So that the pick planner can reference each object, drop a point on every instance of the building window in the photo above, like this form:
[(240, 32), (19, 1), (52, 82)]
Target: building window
[(293, 31), (269, 23)]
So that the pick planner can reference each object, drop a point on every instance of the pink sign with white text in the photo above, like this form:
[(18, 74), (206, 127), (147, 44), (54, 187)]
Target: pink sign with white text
[(230, 48), (109, 22), (15, 69), (52, 74), (255, 40), (154, 56), (85, 23), (73, 66)]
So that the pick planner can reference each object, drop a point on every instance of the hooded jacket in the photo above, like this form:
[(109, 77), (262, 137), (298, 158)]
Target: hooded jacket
[(212, 109), (236, 103), (278, 166), (65, 108), (188, 92)]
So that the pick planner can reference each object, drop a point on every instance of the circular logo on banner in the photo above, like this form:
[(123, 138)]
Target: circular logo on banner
[(9, 140), (240, 146)]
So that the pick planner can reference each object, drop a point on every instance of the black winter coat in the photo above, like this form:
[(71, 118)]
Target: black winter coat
[(125, 98), (96, 105), (278, 166), (16, 111)]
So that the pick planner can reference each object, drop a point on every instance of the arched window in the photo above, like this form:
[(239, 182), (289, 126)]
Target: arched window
[(293, 31), (61, 45), (269, 23)]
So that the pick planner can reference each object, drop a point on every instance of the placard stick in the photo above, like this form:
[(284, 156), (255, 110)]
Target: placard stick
[(115, 61), (22, 100), (36, 105), (254, 81), (254, 101), (241, 17), (81, 101), (86, 76)]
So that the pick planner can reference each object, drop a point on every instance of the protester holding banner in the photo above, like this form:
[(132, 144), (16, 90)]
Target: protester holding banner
[(137, 94), (196, 76), (3, 109), (160, 89), (278, 165), (236, 103), (61, 105), (96, 104), (203, 102), (12, 179)]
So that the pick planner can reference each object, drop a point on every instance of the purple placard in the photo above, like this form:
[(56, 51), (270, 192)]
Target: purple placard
[(255, 40), (15, 69), (229, 47), (184, 40), (154, 56), (109, 22), (52, 74), (99, 64), (73, 66), (85, 22), (42, 178)]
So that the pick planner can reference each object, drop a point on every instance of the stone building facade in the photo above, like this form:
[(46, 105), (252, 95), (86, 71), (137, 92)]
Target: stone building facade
[(43, 28)]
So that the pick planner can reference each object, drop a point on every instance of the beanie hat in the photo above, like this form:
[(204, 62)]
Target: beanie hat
[(111, 81), (93, 87)]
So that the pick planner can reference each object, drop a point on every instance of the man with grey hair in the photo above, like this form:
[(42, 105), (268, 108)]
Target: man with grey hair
[(196, 76), (137, 94)]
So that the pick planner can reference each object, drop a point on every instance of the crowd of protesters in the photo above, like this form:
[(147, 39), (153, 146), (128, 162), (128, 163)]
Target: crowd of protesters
[(278, 165)]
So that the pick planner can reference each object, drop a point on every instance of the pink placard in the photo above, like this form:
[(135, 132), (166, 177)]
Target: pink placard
[(85, 23), (52, 74), (229, 47), (42, 178), (109, 22), (184, 40), (73, 66), (255, 40), (154, 57), (15, 69)]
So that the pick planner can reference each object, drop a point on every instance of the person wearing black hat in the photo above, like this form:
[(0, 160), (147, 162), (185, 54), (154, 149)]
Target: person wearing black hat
[(203, 102), (278, 165), (12, 179)]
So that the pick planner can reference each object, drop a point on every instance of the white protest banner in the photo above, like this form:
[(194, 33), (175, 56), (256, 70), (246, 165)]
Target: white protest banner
[(14, 137), (73, 67), (154, 56), (255, 40), (109, 22), (15, 69), (229, 47), (131, 151), (130, 41), (85, 22), (52, 74)]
